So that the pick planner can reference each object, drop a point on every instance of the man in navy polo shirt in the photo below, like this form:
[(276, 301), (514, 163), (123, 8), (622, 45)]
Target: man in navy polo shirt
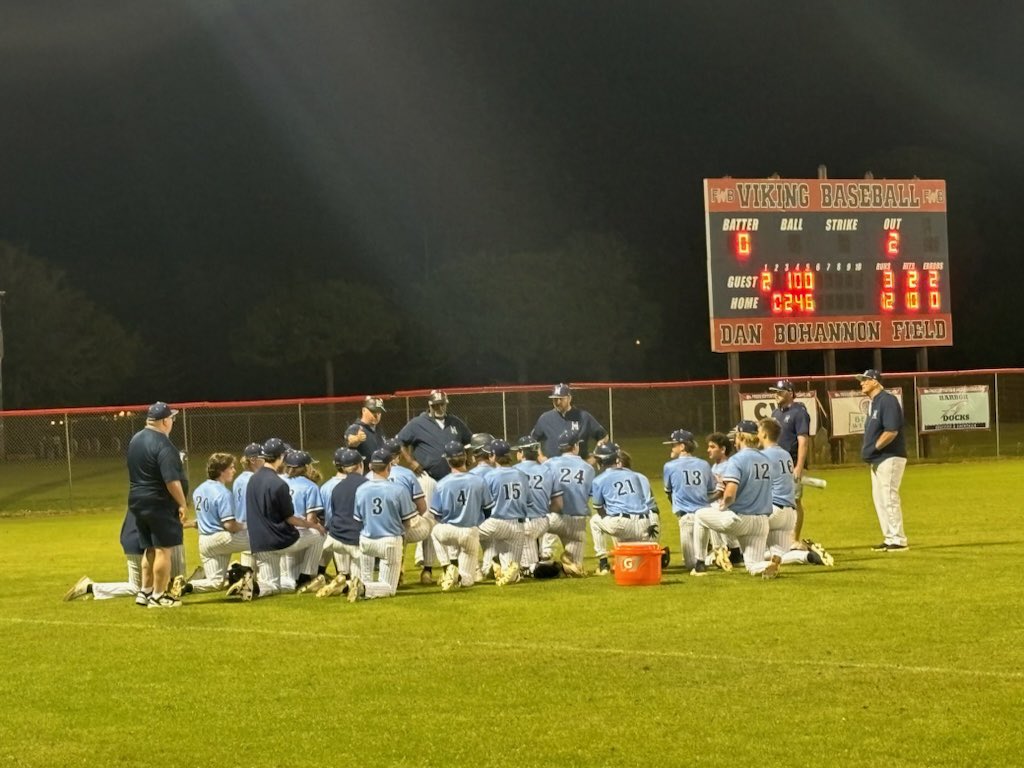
[(273, 528), (364, 435), (565, 417), (885, 449), (156, 497), (425, 436)]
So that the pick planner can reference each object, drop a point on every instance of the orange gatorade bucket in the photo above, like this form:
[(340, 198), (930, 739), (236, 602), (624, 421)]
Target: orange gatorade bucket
[(638, 564)]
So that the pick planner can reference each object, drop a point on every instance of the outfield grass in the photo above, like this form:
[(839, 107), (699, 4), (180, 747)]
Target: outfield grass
[(909, 659)]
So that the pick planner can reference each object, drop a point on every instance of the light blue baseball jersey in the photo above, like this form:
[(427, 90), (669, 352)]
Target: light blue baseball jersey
[(481, 470), (238, 491), (381, 506), (751, 471), (460, 499), (542, 487), (688, 483), (406, 478), (510, 490), (214, 504), (783, 485), (619, 492), (645, 486), (574, 477), (325, 497), (305, 496)]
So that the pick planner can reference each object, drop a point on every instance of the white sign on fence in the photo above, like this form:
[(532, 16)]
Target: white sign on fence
[(953, 407), (760, 405), (850, 410)]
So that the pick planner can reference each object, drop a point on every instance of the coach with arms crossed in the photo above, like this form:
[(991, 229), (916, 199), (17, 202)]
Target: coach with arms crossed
[(156, 497), (885, 449), (563, 417)]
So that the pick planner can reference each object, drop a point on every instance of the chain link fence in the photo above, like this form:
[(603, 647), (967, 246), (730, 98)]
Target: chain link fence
[(73, 459)]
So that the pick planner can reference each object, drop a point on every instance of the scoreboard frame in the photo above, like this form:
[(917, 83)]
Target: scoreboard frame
[(827, 264)]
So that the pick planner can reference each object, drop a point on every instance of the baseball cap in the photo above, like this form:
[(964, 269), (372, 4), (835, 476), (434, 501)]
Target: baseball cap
[(294, 458), (745, 427), (394, 445), (252, 451), (870, 373), (782, 385), (273, 449), (380, 456), (454, 448), (374, 404), (160, 410), (347, 457), (437, 397), (560, 390), (679, 436), (500, 448), (568, 439), (525, 442)]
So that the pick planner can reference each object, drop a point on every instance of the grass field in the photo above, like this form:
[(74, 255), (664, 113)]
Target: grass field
[(909, 659)]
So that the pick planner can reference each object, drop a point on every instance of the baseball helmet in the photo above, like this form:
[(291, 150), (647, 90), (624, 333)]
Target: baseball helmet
[(347, 457), (480, 443), (606, 454), (437, 397), (568, 439), (453, 449)]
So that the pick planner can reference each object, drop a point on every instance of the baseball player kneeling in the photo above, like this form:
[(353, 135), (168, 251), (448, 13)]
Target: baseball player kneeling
[(383, 508), (502, 534), (573, 477), (220, 533), (545, 497), (621, 503), (460, 504)]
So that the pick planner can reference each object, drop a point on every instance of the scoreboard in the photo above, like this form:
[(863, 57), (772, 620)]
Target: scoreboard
[(827, 263)]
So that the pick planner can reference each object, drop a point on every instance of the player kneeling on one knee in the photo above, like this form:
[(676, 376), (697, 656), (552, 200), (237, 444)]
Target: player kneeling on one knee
[(621, 502)]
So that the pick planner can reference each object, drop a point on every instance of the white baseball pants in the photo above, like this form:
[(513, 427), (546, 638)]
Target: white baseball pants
[(750, 530), (108, 589), (215, 552), (533, 529), (388, 550), (464, 541), (571, 531), (270, 565), (621, 529), (781, 526), (346, 556), (886, 477), (503, 538), (292, 566)]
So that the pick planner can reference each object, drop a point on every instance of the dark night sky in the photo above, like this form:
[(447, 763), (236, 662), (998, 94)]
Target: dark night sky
[(217, 149)]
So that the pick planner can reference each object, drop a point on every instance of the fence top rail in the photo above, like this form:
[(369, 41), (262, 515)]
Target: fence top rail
[(495, 389)]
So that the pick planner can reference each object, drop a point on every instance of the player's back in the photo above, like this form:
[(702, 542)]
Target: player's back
[(620, 492), (574, 477), (541, 486), (688, 482), (460, 499), (238, 492), (305, 495), (781, 469), (509, 488), (381, 506), (751, 471)]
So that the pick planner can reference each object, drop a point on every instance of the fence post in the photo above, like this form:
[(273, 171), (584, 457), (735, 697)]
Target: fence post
[(302, 439), (917, 419), (997, 413), (714, 410), (504, 416), (611, 418), (67, 453), (185, 446)]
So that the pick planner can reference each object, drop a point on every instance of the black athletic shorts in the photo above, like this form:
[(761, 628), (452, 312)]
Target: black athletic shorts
[(159, 527)]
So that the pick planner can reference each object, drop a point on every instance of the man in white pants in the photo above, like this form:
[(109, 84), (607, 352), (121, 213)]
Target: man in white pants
[(745, 506), (220, 533), (546, 498), (885, 450), (689, 484), (502, 534), (574, 477), (621, 505), (273, 530), (383, 508), (459, 504)]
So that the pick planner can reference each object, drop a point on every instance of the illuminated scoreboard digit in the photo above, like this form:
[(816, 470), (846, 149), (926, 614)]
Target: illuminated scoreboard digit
[(827, 263)]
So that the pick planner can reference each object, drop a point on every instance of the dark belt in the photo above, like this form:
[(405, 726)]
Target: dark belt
[(631, 515)]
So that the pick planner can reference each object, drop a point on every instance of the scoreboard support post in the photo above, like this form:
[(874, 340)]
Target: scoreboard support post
[(733, 364), (924, 442), (782, 364)]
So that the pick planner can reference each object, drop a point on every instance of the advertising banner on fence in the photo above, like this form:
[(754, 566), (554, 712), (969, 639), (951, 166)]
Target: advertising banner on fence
[(953, 407), (850, 410), (760, 405)]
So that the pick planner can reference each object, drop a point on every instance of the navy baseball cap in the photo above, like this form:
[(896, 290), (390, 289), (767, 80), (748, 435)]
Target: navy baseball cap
[(394, 446), (560, 390), (782, 385), (500, 448), (745, 427), (160, 410), (273, 449), (568, 439), (870, 373), (453, 449), (252, 451), (679, 436), (380, 456), (295, 458), (347, 457), (525, 442), (374, 404)]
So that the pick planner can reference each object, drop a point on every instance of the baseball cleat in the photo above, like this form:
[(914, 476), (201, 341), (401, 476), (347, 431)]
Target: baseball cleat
[(450, 578), (356, 590), (177, 587), (510, 575), (722, 558), (772, 569), (880, 547), (333, 587), (245, 590), (603, 568), (142, 599), (79, 589), (666, 557), (313, 585), (699, 569), (896, 547), (818, 555), (497, 571), (164, 601), (570, 568), (426, 577)]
